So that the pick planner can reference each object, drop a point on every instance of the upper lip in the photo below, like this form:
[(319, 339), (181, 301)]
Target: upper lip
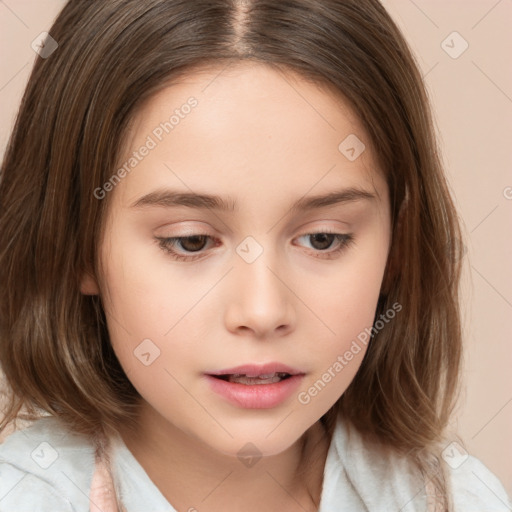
[(255, 370)]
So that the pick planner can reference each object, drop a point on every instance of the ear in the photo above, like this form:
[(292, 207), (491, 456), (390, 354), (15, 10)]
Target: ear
[(88, 285)]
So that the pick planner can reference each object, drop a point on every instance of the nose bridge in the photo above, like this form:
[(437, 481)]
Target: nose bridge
[(261, 300)]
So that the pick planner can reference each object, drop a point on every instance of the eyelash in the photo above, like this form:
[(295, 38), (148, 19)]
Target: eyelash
[(166, 244)]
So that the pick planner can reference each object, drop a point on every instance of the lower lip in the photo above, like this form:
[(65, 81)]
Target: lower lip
[(256, 396)]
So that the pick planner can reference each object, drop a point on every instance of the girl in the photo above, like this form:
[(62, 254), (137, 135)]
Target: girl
[(223, 255)]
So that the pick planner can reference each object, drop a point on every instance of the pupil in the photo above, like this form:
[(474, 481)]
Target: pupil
[(325, 239), (197, 243)]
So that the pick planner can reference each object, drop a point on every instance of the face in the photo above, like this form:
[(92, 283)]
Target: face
[(265, 274)]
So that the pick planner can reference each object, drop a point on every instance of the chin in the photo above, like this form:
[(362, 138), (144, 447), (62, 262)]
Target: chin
[(257, 439)]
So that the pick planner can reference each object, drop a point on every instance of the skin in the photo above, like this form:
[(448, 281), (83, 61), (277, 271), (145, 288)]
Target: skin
[(267, 139)]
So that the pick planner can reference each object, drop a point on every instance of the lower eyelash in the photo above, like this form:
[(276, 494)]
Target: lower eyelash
[(166, 244), (344, 242)]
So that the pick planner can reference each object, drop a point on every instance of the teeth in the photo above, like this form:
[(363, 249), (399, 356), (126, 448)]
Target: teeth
[(254, 375), (268, 378), (252, 380)]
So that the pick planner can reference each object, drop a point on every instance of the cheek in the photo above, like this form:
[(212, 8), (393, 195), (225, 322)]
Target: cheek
[(345, 298), (137, 314), (345, 310), (153, 316), (339, 351), (144, 298)]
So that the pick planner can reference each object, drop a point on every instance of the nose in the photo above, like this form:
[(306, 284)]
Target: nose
[(260, 300)]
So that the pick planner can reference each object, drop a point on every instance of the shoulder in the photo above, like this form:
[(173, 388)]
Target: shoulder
[(371, 475), (45, 467), (474, 486), (381, 476)]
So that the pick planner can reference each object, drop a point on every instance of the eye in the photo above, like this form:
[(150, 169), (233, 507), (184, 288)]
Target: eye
[(323, 241), (189, 244), (182, 248)]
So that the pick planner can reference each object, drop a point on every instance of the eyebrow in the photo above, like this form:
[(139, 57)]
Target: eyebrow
[(171, 198)]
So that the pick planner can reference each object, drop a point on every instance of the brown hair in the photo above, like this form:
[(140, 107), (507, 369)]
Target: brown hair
[(114, 54)]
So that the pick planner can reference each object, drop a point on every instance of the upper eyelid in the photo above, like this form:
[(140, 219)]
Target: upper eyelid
[(198, 231)]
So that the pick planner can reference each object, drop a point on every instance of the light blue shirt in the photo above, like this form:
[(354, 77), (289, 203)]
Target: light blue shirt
[(44, 468)]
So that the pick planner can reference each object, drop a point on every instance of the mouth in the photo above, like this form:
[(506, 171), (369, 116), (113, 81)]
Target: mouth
[(250, 380), (256, 374), (253, 386)]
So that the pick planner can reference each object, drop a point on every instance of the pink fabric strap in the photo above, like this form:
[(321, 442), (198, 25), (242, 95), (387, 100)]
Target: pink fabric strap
[(102, 497)]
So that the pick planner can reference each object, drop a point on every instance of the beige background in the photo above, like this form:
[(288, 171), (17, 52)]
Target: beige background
[(472, 97)]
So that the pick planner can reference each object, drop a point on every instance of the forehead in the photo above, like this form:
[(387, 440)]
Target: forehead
[(251, 127)]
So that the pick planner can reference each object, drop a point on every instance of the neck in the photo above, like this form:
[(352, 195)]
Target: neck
[(188, 472)]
